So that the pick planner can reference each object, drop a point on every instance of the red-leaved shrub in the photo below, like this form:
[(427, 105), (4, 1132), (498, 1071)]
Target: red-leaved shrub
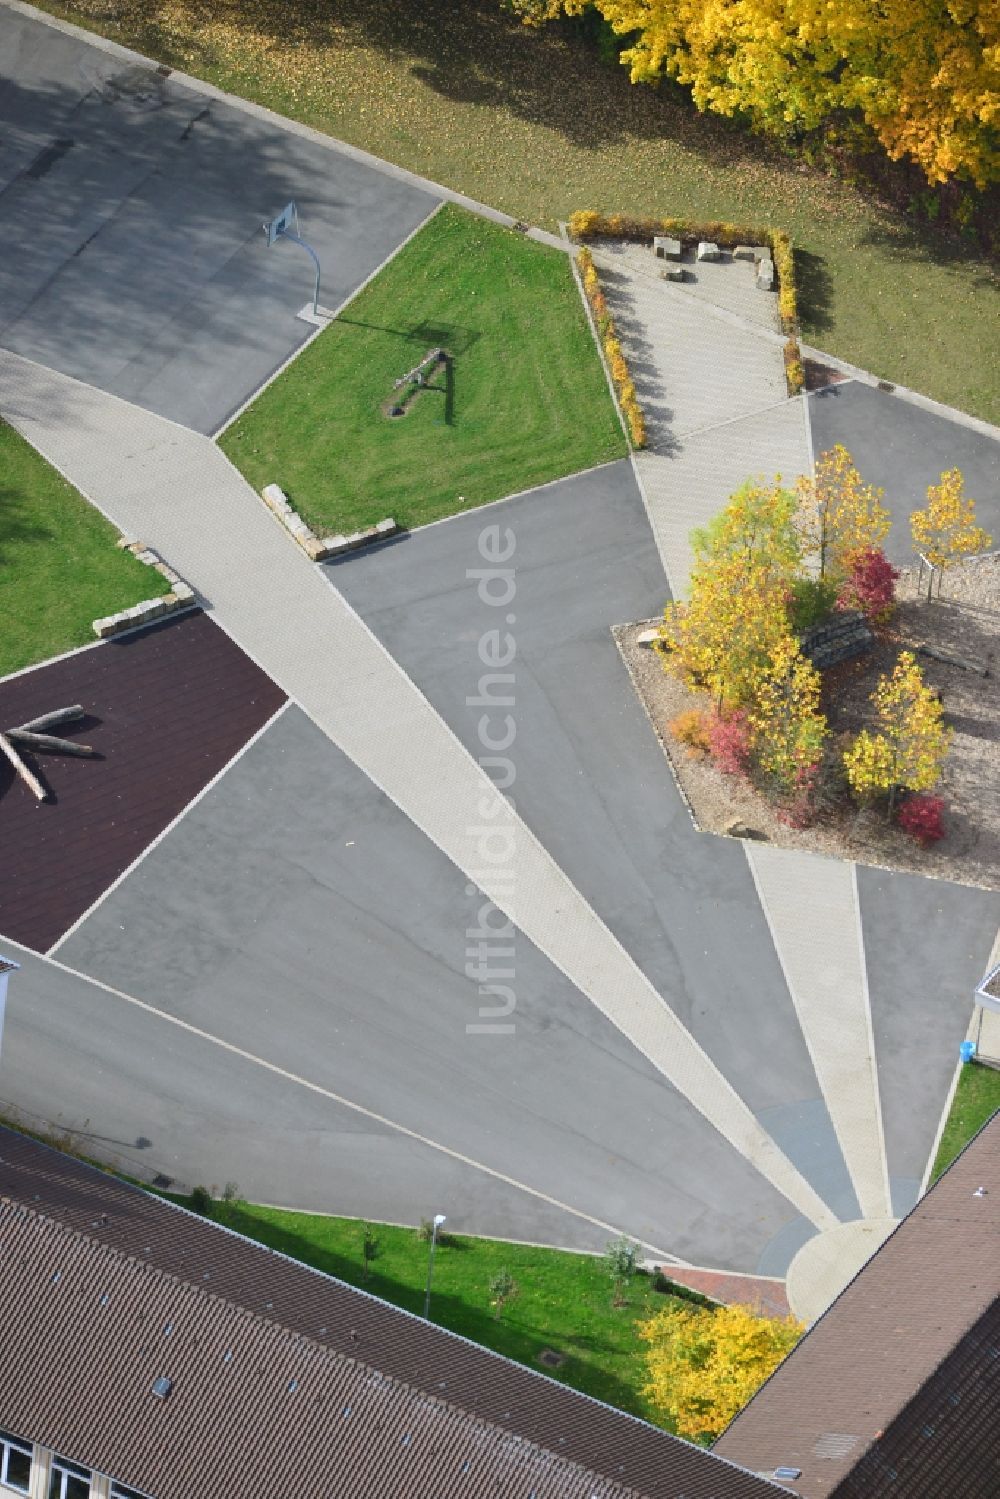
[(729, 742), (870, 585), (921, 816), (798, 807)]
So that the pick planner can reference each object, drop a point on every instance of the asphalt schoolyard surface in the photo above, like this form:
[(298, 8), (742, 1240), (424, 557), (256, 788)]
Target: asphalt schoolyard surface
[(132, 208), (903, 448), (295, 921), (296, 914)]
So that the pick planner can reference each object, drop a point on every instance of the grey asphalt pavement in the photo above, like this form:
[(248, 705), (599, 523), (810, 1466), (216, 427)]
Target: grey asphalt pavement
[(926, 945), (593, 783), (151, 1099), (903, 448), (132, 209), (591, 779), (297, 913)]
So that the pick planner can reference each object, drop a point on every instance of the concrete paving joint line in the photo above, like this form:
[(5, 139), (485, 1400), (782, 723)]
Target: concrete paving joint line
[(284, 122), (729, 421)]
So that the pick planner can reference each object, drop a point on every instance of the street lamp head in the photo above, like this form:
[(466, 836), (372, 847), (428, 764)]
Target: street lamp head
[(438, 1219)]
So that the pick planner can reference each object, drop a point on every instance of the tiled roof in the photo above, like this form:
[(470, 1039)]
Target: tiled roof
[(895, 1391), (167, 708), (280, 1377)]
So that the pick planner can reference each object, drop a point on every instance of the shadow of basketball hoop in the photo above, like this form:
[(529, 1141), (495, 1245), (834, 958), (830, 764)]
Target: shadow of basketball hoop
[(451, 336)]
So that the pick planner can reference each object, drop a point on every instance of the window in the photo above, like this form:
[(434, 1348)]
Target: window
[(119, 1491), (68, 1480), (15, 1463)]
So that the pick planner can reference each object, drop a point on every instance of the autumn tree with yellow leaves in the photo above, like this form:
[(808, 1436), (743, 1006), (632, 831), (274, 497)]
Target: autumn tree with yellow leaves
[(705, 1363), (838, 516), (725, 635), (945, 531), (908, 748), (722, 638), (786, 725), (924, 75)]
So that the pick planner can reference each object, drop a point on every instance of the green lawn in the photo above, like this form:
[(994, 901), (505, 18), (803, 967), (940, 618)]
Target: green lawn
[(565, 1300), (533, 123), (976, 1098), (59, 566), (525, 398)]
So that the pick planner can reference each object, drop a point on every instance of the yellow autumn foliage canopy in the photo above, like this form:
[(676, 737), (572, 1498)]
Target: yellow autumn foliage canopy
[(725, 636), (923, 74), (911, 739), (945, 531), (705, 1363), (787, 726), (838, 516)]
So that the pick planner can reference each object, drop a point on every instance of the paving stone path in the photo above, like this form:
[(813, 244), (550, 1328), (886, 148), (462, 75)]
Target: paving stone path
[(718, 413)]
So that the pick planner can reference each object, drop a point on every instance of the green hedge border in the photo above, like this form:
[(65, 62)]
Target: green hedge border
[(586, 224), (614, 355)]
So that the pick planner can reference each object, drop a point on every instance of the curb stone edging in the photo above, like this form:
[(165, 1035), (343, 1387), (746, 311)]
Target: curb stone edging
[(316, 548), (181, 595), (617, 635)]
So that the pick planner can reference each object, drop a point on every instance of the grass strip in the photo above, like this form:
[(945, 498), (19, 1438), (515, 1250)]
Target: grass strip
[(977, 1098), (521, 398), (59, 566)]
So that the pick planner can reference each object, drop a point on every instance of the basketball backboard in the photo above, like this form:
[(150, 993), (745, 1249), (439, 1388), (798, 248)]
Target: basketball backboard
[(282, 222)]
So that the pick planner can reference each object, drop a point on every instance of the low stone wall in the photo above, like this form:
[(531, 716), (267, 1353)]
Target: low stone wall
[(320, 548), (181, 595)]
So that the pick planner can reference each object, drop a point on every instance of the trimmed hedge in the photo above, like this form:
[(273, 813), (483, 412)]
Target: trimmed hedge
[(604, 322), (586, 224)]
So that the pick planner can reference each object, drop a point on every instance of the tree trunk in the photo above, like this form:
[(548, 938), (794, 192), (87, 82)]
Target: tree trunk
[(48, 720), (26, 775), (34, 741)]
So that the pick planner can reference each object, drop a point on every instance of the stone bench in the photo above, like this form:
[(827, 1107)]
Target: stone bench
[(765, 275), (708, 251), (666, 249), (840, 638), (752, 252)]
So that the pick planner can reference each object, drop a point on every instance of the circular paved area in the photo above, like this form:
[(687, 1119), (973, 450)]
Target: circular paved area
[(828, 1262)]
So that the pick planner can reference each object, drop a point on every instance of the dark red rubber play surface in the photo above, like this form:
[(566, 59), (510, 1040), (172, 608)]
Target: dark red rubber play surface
[(167, 708)]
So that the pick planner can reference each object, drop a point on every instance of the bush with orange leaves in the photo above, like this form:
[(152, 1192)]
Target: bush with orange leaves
[(617, 365)]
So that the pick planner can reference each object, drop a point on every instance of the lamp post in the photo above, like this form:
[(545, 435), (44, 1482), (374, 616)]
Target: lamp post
[(7, 967), (438, 1220)]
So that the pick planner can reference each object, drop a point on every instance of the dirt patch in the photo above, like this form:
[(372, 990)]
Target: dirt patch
[(965, 625)]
